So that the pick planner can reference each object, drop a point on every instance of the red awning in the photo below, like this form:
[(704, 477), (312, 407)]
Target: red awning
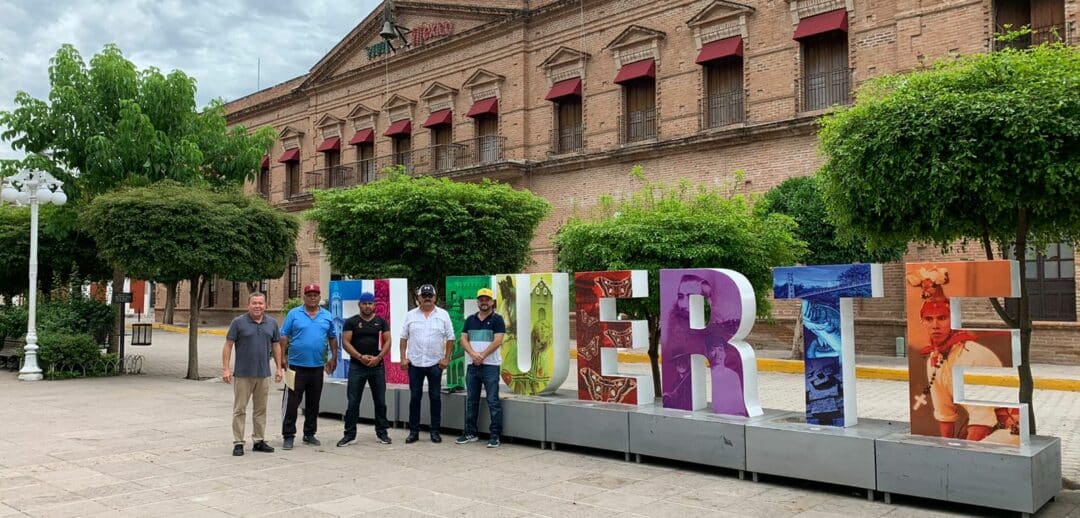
[(330, 144), (364, 136), (636, 70), (720, 49), (290, 155), (401, 127), (822, 23), (489, 106), (265, 162), (564, 88), (439, 118)]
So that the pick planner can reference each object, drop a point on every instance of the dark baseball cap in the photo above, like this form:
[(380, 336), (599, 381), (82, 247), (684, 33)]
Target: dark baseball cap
[(367, 296), (426, 289)]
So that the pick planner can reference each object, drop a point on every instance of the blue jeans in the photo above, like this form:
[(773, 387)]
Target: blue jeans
[(376, 378), (417, 375), (488, 376)]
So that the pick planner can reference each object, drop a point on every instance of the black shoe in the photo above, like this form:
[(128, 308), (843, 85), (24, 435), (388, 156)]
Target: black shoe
[(413, 437), (263, 447), (345, 441), (287, 443), (383, 438), (435, 437), (238, 450), (310, 439)]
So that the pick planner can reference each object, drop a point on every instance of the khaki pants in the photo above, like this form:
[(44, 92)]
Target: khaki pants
[(255, 389)]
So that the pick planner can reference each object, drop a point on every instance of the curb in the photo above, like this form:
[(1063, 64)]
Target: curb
[(796, 367)]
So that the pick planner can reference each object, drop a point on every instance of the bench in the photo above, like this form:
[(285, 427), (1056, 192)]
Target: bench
[(9, 354)]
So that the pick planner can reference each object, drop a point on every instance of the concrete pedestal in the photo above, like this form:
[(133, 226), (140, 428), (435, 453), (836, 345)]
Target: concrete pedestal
[(1002, 477), (604, 426), (524, 417), (335, 400), (789, 447), (701, 437), (453, 410)]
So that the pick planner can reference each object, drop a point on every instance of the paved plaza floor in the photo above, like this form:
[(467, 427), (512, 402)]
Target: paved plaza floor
[(157, 445)]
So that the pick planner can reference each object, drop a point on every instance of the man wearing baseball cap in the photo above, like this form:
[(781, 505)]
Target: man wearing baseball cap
[(481, 338), (307, 333), (427, 339), (366, 338)]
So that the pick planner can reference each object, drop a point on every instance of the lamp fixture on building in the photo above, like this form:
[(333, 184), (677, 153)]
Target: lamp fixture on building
[(32, 188)]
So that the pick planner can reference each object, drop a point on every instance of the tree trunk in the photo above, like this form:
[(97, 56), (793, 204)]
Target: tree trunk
[(195, 292), (797, 352), (654, 354), (170, 302), (1027, 383), (117, 287)]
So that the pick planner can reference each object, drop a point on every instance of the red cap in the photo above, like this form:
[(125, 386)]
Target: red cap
[(312, 287)]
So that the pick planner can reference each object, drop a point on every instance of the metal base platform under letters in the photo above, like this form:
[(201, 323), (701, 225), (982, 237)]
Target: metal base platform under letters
[(700, 437)]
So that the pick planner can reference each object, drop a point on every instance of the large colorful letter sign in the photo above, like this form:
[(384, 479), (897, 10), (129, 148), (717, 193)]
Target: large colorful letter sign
[(391, 303), (829, 332), (600, 335), (460, 303), (535, 351), (939, 349), (687, 340)]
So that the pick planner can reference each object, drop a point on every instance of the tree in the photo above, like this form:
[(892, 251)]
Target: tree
[(983, 148), (801, 199), (168, 232), (427, 228), (677, 227), (110, 124)]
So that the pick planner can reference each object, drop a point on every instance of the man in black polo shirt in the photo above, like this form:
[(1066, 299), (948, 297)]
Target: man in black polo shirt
[(366, 338), (252, 335)]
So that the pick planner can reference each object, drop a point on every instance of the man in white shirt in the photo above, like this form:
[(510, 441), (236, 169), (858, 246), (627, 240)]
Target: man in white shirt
[(427, 339)]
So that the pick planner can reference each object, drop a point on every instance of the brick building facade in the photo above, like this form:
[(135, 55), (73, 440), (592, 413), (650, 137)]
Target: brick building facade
[(563, 97)]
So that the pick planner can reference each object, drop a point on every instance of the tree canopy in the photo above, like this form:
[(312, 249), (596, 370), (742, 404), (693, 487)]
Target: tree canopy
[(66, 254), (169, 232), (984, 147), (427, 228), (680, 226)]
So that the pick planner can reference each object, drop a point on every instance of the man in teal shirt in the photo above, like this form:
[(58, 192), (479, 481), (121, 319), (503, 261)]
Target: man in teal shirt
[(306, 333)]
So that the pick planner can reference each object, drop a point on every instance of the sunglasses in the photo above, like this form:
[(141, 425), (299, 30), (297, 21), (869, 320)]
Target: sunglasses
[(427, 296)]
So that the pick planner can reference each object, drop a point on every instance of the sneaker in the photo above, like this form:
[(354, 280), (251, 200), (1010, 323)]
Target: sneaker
[(238, 450), (435, 437), (345, 441), (310, 439), (383, 438), (494, 442), (413, 437), (287, 444), (263, 447), (465, 439)]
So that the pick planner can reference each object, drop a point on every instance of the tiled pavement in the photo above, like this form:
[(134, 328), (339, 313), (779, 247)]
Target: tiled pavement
[(158, 445)]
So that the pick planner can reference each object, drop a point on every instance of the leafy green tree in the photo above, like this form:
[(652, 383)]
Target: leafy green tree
[(168, 232), (801, 199), (427, 228), (984, 148), (680, 226), (109, 124)]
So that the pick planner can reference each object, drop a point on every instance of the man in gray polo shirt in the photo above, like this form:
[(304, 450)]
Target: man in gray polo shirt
[(252, 335)]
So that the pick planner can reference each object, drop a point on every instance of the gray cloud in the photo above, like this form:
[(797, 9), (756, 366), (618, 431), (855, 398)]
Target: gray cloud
[(219, 43)]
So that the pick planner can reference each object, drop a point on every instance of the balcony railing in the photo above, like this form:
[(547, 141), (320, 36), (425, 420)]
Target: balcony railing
[(820, 91), (567, 140), (424, 161), (1057, 33), (637, 126), (722, 109)]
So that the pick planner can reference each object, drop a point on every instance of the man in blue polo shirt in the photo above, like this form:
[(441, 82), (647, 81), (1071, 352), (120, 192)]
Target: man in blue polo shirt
[(308, 335)]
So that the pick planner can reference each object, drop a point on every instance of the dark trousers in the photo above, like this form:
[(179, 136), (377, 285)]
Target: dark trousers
[(488, 377), (376, 378), (309, 382), (417, 375)]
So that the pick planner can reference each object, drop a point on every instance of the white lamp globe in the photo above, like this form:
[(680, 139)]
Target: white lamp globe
[(59, 198), (22, 198), (44, 195), (9, 194)]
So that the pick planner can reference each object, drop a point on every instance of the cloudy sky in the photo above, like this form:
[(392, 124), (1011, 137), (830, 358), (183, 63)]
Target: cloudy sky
[(220, 43)]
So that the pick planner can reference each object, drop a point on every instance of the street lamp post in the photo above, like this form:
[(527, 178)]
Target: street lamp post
[(32, 188)]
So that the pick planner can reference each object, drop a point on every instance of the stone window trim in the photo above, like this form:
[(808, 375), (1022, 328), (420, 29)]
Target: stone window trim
[(806, 8), (290, 138), (361, 117), (565, 63), (484, 84), (438, 96), (636, 43), (720, 20), (329, 126), (399, 108)]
